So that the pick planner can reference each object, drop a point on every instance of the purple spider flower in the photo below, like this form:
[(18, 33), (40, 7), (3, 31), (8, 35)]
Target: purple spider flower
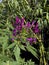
[(18, 20), (18, 25), (28, 25), (31, 40), (35, 27), (22, 20), (14, 32), (36, 30), (34, 40), (33, 23)]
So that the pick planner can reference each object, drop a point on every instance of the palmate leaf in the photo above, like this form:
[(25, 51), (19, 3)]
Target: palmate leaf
[(32, 50)]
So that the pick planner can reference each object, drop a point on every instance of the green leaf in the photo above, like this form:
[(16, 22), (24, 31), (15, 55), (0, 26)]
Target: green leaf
[(14, 63), (39, 23), (45, 22), (2, 63), (30, 62), (41, 11), (33, 51), (5, 42), (11, 45), (22, 47), (17, 52), (4, 57), (47, 55)]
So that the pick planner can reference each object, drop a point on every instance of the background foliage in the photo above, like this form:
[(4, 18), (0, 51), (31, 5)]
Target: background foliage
[(31, 10)]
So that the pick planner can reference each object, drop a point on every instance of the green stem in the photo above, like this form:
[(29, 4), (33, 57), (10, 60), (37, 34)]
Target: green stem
[(42, 53), (3, 50)]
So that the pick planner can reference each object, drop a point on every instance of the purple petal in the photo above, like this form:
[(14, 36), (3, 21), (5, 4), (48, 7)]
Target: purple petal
[(28, 25), (12, 39), (17, 20), (14, 32), (30, 40), (33, 22), (22, 20), (36, 25), (34, 40), (36, 30)]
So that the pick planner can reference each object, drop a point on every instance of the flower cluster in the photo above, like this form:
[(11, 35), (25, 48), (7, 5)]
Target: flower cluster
[(35, 27), (32, 40), (19, 24)]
